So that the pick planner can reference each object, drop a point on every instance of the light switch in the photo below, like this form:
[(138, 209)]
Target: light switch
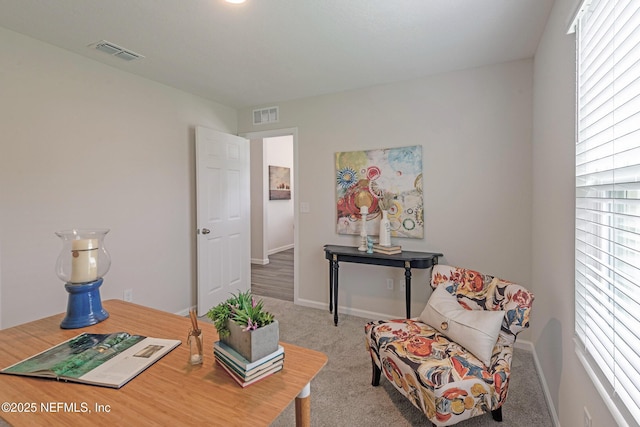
[(304, 207)]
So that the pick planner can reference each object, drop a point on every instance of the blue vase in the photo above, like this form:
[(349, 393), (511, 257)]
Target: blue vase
[(84, 307)]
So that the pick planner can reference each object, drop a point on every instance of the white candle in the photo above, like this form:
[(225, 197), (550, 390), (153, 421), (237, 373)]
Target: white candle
[(364, 211), (84, 260)]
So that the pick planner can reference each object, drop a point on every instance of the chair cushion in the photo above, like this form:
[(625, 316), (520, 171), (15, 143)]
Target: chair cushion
[(475, 330)]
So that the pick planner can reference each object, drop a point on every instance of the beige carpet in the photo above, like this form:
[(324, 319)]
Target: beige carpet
[(342, 395)]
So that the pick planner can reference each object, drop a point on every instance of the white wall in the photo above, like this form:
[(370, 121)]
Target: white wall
[(258, 200), (553, 224), (86, 145), (279, 231), (475, 129)]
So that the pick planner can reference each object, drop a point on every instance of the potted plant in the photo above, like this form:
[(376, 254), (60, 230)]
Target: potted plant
[(244, 325)]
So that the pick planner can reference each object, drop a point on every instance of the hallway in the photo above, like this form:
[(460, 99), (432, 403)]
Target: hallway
[(275, 279)]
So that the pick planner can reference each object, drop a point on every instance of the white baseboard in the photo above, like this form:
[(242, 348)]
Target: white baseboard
[(345, 310), (280, 249), (265, 261), (184, 312), (311, 304)]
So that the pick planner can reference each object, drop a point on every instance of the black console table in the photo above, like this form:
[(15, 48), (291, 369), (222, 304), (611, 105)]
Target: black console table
[(406, 260)]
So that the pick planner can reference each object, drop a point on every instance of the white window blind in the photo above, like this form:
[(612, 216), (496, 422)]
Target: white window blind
[(608, 197)]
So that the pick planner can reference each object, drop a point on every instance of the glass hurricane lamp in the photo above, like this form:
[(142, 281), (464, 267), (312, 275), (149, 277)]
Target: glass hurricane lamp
[(82, 263)]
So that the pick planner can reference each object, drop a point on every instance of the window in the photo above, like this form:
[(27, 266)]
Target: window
[(608, 202)]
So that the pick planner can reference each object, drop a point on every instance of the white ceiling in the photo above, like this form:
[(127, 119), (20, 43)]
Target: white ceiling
[(266, 51)]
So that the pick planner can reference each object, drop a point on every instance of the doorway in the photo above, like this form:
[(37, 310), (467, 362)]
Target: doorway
[(274, 220)]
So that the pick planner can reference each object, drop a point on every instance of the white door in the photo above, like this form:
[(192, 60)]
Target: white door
[(224, 238)]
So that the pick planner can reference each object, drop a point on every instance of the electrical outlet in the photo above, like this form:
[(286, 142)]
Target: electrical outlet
[(128, 295), (587, 418), (402, 284), (390, 284)]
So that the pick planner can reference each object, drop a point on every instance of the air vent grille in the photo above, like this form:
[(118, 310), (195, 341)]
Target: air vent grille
[(117, 51), (266, 115)]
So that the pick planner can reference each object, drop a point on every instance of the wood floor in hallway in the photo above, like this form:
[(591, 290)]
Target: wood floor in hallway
[(274, 280)]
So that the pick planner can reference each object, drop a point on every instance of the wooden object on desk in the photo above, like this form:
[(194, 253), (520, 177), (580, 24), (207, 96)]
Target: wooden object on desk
[(170, 392), (405, 259)]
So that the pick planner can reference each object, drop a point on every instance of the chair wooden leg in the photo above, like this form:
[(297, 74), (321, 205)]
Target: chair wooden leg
[(497, 414), (375, 374)]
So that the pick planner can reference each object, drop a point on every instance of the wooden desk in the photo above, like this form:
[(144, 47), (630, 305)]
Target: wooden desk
[(170, 392), (406, 260)]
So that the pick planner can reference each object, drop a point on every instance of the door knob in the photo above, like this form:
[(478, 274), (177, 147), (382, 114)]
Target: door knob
[(206, 231)]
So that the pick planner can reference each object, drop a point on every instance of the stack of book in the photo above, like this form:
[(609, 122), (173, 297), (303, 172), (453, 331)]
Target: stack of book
[(389, 250), (241, 370)]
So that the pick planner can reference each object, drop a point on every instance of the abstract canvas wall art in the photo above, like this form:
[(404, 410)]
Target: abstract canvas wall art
[(364, 177)]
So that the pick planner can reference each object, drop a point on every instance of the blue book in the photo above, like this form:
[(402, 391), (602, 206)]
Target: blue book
[(242, 363)]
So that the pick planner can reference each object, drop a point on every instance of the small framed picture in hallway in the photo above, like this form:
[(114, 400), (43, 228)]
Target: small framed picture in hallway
[(279, 183)]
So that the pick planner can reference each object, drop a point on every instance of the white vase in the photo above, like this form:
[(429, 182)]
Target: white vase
[(364, 211), (385, 231)]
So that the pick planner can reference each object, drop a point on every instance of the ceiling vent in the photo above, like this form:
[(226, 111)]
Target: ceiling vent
[(115, 50), (266, 115)]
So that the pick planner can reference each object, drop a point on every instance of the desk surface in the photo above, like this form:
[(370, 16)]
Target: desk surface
[(170, 392)]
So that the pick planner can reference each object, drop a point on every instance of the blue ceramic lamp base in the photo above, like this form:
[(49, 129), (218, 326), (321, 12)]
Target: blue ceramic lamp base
[(84, 307)]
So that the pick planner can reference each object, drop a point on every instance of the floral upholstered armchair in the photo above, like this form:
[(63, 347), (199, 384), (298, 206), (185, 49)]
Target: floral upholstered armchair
[(453, 362)]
